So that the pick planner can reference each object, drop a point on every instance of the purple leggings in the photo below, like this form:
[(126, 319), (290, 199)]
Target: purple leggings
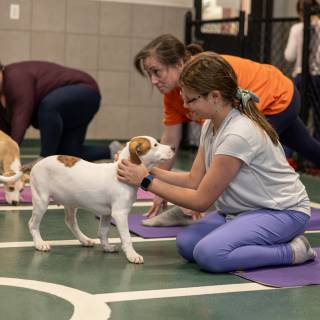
[(253, 239)]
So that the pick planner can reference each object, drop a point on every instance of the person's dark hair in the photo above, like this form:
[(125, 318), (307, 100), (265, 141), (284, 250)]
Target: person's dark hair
[(167, 49), (300, 5), (209, 71), (1, 66)]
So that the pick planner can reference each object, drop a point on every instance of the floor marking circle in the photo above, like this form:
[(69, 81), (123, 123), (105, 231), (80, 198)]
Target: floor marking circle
[(85, 304)]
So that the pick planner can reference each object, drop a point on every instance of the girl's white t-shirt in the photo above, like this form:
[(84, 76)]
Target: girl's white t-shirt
[(265, 179)]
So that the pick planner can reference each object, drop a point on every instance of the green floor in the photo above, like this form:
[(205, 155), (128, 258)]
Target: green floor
[(130, 291)]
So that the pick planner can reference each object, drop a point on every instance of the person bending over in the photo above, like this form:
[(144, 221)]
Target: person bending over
[(59, 101)]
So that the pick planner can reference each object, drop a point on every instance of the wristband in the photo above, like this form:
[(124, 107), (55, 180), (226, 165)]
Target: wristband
[(146, 182)]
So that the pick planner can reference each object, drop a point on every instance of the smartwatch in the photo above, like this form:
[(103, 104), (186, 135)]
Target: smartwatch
[(146, 182)]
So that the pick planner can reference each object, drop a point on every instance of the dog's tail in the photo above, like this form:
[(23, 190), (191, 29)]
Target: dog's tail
[(11, 176)]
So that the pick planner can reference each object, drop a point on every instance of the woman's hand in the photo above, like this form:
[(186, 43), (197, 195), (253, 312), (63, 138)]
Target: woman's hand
[(192, 116), (131, 173), (159, 204), (195, 215)]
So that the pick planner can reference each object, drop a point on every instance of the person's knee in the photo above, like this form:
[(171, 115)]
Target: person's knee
[(185, 246), (210, 259)]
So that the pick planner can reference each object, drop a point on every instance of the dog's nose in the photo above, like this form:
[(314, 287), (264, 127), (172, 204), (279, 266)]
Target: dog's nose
[(14, 203), (173, 148)]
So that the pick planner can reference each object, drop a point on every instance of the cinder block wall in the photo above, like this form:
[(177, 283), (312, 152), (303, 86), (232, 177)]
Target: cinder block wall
[(101, 38)]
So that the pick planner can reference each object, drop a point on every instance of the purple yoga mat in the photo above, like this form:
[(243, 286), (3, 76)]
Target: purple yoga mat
[(314, 222), (25, 194), (286, 276), (144, 195), (137, 228)]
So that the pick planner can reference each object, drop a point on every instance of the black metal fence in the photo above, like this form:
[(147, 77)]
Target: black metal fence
[(309, 84), (265, 42), (268, 45)]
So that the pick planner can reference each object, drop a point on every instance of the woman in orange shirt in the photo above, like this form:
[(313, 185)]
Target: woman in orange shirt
[(162, 60)]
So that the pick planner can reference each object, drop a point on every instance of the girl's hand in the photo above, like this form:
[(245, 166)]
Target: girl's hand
[(131, 173)]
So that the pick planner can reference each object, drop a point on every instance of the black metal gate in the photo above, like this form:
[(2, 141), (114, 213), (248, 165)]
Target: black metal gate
[(264, 42), (310, 76)]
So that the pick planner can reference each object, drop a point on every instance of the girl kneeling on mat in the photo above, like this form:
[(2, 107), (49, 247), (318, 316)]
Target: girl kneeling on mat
[(263, 207)]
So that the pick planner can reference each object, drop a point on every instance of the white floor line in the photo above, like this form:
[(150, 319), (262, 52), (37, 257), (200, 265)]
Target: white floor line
[(138, 203), (30, 156), (86, 305), (312, 231), (24, 244), (181, 292), (57, 207), (27, 207), (315, 204)]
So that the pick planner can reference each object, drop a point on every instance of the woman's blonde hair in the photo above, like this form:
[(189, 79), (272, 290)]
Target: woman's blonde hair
[(208, 71)]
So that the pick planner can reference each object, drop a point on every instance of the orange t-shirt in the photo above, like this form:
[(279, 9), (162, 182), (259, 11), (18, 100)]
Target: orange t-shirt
[(273, 88)]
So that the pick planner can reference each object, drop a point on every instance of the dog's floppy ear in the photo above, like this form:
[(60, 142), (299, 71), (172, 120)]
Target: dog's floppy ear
[(134, 147), (137, 147)]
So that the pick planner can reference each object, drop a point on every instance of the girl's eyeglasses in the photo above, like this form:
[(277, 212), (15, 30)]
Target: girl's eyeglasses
[(193, 99)]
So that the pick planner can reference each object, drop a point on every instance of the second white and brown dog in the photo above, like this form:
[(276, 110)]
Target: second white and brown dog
[(75, 183), (13, 178)]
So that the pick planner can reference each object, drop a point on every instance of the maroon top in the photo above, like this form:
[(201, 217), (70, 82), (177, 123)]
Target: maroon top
[(25, 84)]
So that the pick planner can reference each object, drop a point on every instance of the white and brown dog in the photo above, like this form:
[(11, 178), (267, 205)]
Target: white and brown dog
[(12, 178), (76, 183)]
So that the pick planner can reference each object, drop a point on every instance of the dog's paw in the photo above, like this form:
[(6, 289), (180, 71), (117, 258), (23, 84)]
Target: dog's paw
[(43, 246), (87, 242), (133, 257), (110, 248)]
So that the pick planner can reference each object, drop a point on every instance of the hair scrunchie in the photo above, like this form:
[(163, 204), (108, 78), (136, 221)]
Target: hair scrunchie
[(245, 96)]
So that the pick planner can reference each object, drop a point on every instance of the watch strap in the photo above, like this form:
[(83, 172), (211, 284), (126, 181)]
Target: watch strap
[(146, 182)]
